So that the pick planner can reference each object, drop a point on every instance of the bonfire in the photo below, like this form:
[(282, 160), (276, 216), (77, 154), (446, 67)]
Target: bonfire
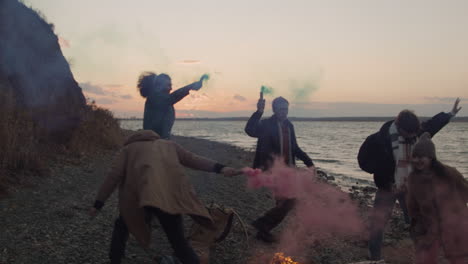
[(279, 258)]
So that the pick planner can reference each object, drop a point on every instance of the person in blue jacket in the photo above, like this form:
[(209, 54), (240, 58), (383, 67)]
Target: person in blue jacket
[(159, 114)]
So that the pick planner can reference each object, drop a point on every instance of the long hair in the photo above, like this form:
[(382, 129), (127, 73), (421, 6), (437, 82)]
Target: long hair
[(145, 83)]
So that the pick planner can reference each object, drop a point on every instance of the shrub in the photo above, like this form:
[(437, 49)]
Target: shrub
[(98, 129)]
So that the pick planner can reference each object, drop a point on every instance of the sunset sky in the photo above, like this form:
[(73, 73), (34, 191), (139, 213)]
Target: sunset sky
[(328, 57)]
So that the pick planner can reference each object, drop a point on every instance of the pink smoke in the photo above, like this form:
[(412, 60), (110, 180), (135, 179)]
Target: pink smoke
[(321, 210)]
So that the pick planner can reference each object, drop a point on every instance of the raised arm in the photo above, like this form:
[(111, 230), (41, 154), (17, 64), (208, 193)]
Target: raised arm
[(437, 122), (254, 124)]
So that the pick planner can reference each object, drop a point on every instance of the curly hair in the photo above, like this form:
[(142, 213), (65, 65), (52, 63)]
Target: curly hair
[(149, 81), (145, 83)]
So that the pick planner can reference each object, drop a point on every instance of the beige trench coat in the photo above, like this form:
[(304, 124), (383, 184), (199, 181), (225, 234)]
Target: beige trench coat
[(149, 171)]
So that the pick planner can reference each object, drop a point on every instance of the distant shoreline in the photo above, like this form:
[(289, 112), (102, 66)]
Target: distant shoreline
[(337, 119)]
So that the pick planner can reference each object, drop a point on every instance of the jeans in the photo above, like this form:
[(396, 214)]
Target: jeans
[(173, 227), (381, 213)]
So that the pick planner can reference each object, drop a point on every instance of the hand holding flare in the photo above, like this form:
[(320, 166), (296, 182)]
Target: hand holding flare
[(261, 101)]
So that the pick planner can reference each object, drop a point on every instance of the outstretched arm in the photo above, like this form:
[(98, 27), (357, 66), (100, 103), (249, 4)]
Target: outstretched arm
[(196, 162), (180, 93)]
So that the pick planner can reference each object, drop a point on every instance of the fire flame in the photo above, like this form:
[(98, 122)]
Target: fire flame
[(279, 258)]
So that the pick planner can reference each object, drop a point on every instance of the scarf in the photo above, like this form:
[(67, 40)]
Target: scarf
[(281, 139), (402, 149)]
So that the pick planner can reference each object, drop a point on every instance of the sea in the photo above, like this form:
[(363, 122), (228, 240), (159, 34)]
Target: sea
[(333, 145)]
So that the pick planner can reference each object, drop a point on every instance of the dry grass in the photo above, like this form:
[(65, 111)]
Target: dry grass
[(25, 150), (19, 148)]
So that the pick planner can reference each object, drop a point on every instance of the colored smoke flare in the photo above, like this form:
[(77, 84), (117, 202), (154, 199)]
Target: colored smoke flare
[(266, 90), (279, 258)]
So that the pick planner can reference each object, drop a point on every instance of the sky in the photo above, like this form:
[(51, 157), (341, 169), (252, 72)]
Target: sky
[(327, 57)]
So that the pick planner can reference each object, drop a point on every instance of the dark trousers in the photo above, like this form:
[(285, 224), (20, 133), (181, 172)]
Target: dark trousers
[(381, 213), (173, 227), (275, 215)]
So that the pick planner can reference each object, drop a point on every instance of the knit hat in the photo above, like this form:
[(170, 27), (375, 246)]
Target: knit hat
[(424, 147)]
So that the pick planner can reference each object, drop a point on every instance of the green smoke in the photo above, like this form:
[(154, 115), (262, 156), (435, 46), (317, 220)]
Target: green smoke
[(266, 90), (301, 91), (205, 77)]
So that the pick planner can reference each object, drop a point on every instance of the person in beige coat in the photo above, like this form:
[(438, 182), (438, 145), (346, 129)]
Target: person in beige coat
[(437, 203), (150, 175)]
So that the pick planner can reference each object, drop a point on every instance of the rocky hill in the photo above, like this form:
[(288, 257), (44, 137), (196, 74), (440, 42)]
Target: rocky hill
[(33, 67)]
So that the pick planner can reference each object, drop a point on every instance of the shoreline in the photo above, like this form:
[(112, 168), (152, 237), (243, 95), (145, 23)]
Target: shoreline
[(343, 181)]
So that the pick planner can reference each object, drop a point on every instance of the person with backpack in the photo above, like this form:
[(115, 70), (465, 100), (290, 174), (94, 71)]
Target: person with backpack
[(436, 198), (387, 154)]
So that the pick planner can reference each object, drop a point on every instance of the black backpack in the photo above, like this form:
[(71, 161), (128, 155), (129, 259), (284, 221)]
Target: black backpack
[(368, 153)]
